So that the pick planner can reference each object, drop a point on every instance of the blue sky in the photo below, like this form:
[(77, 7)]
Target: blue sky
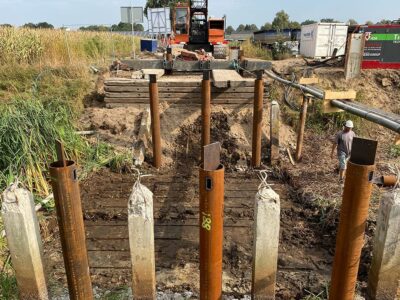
[(67, 12)]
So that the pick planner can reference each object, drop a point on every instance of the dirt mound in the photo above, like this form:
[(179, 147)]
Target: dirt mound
[(189, 147)]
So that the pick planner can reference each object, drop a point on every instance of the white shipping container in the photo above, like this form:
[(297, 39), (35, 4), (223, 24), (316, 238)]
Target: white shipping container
[(320, 39)]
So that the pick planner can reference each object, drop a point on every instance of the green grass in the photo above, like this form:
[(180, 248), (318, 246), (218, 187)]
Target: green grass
[(8, 286)]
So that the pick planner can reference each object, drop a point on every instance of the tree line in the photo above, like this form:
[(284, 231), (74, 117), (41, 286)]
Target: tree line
[(282, 21)]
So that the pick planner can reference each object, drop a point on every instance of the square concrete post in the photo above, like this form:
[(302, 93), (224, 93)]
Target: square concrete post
[(384, 275), (266, 243), (24, 241), (141, 242), (274, 132)]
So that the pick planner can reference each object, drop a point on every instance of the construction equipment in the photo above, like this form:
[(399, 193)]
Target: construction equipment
[(192, 27)]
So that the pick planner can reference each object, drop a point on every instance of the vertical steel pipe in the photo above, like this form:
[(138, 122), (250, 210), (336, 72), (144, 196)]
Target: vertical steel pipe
[(301, 129), (65, 186), (353, 218), (257, 119), (211, 233), (155, 121), (205, 110)]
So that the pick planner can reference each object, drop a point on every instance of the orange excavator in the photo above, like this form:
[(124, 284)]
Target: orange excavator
[(192, 27)]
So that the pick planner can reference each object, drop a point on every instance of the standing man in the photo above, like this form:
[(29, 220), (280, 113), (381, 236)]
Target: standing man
[(343, 142)]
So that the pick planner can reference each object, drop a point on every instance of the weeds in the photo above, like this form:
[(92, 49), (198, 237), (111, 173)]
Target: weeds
[(395, 151), (8, 286), (252, 50), (28, 130)]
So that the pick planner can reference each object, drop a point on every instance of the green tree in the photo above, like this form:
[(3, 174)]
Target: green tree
[(95, 28), (29, 25), (384, 22), (6, 25), (250, 27), (44, 25), (308, 22), (138, 27), (266, 26), (294, 25), (329, 20), (229, 30), (240, 28), (352, 22), (369, 23), (281, 20)]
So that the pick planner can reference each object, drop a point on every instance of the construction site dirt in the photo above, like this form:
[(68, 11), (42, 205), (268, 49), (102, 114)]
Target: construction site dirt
[(309, 193)]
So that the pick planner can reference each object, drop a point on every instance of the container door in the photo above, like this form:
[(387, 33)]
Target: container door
[(323, 41), (339, 39)]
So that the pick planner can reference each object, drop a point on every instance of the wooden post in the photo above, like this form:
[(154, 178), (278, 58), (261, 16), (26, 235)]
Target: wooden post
[(155, 121), (274, 132), (266, 243), (301, 129), (384, 275), (141, 242), (257, 120), (23, 238)]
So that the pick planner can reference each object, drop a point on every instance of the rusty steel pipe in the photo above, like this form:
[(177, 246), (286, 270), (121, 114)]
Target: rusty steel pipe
[(389, 181), (67, 198), (353, 218), (205, 111), (155, 121), (211, 233), (301, 129), (257, 120), (169, 58)]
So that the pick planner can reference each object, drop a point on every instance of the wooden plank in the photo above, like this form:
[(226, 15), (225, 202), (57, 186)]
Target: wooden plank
[(307, 81), (166, 232), (102, 204), (158, 72), (333, 95), (226, 78), (194, 89), (180, 104), (187, 95), (328, 108), (145, 83), (124, 101)]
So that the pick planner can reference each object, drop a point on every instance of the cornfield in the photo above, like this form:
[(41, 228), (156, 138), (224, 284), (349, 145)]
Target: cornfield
[(60, 47)]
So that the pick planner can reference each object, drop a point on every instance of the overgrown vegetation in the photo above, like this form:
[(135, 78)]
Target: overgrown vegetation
[(252, 50), (27, 134), (60, 47), (44, 80)]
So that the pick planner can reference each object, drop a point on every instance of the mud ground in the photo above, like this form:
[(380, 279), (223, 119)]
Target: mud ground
[(309, 191)]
